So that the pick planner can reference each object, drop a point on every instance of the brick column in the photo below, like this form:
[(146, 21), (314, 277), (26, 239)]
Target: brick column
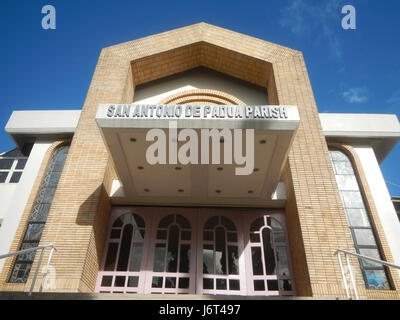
[(315, 202), (81, 205)]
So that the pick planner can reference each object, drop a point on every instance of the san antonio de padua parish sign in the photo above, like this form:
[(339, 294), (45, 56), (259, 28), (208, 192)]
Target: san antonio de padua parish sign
[(218, 122)]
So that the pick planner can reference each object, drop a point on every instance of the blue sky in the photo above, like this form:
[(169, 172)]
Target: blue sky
[(352, 71)]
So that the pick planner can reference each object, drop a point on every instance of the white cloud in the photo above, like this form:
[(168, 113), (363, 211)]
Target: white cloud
[(355, 95), (316, 21), (294, 16)]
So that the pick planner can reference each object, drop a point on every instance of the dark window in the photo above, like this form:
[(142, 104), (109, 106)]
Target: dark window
[(172, 253), (21, 164), (38, 216), (15, 177), (12, 164), (125, 248), (6, 163), (269, 256), (3, 176), (111, 257)]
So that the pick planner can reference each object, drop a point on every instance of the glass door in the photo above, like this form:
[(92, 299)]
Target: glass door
[(220, 256), (156, 250), (124, 253), (268, 264), (172, 256)]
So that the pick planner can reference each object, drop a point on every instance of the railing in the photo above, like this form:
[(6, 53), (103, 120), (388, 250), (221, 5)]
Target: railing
[(38, 265), (362, 257)]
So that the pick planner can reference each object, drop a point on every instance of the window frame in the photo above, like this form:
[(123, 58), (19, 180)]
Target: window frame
[(365, 206), (31, 237), (197, 217), (13, 169)]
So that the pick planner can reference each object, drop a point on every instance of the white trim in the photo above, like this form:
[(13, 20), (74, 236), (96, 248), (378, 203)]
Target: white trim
[(382, 200)]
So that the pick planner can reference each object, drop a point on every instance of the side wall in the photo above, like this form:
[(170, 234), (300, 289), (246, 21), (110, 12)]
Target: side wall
[(25, 209), (381, 197), (16, 196)]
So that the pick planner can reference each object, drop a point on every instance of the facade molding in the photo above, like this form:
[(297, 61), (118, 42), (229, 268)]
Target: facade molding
[(202, 96)]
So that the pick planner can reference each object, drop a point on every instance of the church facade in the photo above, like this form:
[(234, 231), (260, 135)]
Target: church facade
[(199, 164)]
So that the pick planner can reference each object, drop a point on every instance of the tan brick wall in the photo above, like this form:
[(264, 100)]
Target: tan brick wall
[(315, 214), (298, 258), (317, 198)]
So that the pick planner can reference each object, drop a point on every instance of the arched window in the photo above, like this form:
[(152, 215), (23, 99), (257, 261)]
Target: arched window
[(172, 256), (220, 255), (270, 273), (375, 276), (122, 265), (38, 216)]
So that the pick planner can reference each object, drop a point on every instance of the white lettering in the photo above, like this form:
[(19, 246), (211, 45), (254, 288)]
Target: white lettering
[(158, 147), (349, 20), (49, 20), (248, 159), (190, 147)]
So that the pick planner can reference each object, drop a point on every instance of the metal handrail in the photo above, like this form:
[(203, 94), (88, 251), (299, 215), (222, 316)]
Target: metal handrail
[(360, 256), (38, 265)]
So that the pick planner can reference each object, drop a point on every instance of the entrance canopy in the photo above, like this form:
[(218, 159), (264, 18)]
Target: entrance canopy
[(198, 154)]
